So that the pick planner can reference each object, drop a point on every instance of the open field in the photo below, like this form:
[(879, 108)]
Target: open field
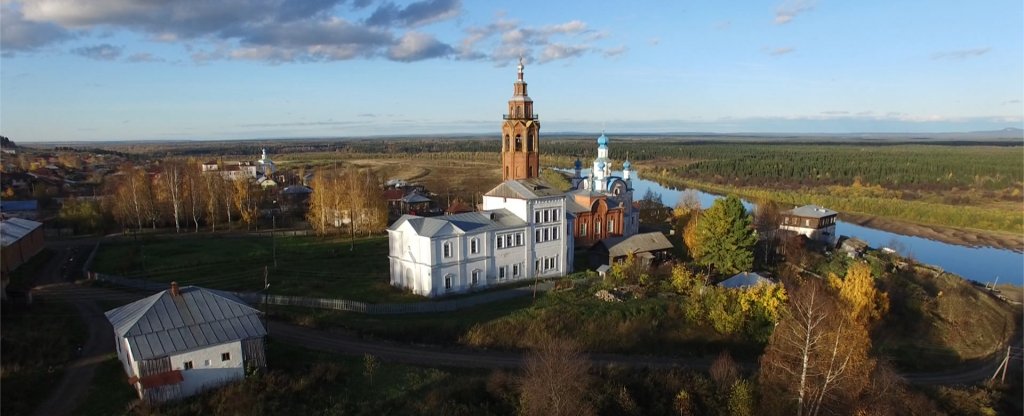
[(306, 265)]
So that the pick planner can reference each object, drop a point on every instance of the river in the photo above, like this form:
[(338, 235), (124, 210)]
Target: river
[(983, 264)]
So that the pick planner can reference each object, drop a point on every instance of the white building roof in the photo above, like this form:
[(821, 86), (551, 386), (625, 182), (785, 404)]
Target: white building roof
[(495, 219), (745, 279), (535, 188), (164, 324), (13, 229), (811, 211)]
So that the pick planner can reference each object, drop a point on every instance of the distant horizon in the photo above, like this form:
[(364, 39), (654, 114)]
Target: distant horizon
[(1006, 133)]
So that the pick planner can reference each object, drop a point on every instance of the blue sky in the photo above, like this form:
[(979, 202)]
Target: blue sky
[(239, 69)]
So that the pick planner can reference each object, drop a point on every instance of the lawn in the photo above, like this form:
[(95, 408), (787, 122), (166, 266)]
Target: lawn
[(306, 265), (109, 393), (440, 328)]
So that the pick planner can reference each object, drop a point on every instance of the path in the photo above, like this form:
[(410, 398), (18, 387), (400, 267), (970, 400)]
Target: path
[(75, 382)]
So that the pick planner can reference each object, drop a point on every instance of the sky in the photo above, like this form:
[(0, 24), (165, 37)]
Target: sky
[(255, 69)]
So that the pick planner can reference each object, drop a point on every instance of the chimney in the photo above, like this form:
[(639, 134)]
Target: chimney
[(174, 289)]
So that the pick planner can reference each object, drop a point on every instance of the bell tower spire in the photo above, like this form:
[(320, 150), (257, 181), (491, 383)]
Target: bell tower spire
[(520, 152)]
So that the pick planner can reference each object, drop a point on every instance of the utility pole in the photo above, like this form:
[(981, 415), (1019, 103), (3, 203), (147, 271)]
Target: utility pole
[(1003, 366), (273, 237)]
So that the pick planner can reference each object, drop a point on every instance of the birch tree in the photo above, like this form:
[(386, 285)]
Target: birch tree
[(817, 358), (171, 190)]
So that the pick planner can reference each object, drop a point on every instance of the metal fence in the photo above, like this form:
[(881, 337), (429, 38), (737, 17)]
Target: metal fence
[(343, 304)]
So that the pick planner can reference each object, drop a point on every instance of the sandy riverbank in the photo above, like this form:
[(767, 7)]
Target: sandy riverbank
[(951, 235)]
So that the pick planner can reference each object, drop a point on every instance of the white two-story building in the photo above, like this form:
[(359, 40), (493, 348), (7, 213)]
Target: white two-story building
[(523, 232)]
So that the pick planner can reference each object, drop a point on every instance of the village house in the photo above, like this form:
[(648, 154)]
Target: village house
[(816, 223), (647, 248), (182, 341)]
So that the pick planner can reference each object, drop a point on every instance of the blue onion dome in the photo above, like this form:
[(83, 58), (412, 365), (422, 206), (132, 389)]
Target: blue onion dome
[(578, 164), (626, 165), (603, 140), (600, 165)]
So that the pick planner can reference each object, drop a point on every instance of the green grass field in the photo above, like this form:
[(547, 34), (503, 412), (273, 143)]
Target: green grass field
[(436, 328), (306, 265)]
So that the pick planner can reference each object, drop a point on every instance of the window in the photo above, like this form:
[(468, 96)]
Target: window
[(611, 226), (807, 223), (537, 232), (536, 267), (501, 273), (474, 245), (475, 279), (583, 229), (554, 214), (501, 242), (515, 270), (547, 214), (448, 282), (206, 363), (554, 233), (225, 356), (547, 234), (597, 227), (519, 239), (447, 248), (187, 365), (536, 216)]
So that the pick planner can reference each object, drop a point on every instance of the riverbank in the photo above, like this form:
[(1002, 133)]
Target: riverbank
[(950, 235), (900, 222)]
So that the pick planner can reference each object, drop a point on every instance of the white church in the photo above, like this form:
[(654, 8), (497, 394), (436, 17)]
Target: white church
[(526, 228)]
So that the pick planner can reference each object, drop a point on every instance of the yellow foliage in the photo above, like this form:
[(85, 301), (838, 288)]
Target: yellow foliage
[(857, 290)]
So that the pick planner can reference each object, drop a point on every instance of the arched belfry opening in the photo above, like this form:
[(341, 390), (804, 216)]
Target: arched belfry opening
[(519, 160)]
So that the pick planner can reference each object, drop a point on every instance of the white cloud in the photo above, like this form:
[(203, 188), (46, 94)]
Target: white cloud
[(789, 9), (960, 54)]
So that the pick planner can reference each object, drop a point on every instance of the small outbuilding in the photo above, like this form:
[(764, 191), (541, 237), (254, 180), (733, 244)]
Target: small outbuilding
[(182, 341), (20, 240), (745, 280), (853, 246), (650, 248)]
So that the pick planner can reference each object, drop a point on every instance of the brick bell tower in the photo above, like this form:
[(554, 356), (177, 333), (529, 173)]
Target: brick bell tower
[(520, 153)]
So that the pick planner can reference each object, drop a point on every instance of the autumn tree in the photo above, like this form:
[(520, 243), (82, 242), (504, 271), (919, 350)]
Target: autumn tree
[(652, 210), (247, 199), (817, 359), (350, 197), (213, 188), (857, 289), (555, 380), (194, 191), (690, 234), (132, 199), (170, 189), (767, 218), (81, 215), (725, 238)]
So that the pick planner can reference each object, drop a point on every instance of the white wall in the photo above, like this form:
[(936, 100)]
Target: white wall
[(203, 376)]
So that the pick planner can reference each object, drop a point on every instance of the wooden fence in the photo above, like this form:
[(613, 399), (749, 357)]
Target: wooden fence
[(450, 305)]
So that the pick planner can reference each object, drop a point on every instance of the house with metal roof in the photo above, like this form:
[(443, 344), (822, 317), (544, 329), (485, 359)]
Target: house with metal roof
[(745, 280), (649, 248), (20, 240), (182, 341), (814, 222)]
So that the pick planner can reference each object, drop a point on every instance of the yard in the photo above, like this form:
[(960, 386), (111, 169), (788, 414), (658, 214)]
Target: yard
[(306, 265)]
